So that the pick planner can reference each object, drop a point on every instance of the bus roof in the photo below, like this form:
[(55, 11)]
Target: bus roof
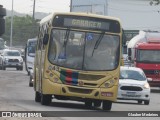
[(51, 16)]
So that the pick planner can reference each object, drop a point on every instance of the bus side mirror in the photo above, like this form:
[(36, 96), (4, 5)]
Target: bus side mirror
[(45, 39)]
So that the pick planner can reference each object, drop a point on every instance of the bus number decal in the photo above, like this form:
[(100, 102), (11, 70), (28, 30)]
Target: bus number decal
[(56, 68)]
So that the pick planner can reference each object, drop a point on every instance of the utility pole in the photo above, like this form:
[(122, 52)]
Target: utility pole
[(70, 5), (34, 4), (11, 26), (33, 17)]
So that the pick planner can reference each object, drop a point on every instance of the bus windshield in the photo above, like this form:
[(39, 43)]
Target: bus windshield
[(84, 50), (148, 56)]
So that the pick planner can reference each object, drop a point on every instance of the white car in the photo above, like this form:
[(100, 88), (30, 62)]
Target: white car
[(133, 85), (12, 59)]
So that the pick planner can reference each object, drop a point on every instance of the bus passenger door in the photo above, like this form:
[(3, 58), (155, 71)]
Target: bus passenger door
[(38, 65)]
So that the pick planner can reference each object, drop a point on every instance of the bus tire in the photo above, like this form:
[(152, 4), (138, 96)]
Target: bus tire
[(107, 105), (88, 103), (46, 99), (37, 97), (97, 103)]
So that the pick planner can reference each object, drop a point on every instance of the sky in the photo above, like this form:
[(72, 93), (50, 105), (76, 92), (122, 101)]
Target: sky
[(134, 14), (26, 6)]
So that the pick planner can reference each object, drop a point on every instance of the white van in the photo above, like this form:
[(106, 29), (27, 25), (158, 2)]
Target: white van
[(30, 54)]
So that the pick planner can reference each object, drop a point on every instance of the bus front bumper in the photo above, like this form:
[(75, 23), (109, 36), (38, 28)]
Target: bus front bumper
[(81, 92)]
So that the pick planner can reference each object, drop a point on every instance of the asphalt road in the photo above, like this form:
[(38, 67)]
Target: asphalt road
[(16, 95)]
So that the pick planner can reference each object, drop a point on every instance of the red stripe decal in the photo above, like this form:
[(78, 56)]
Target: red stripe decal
[(69, 76)]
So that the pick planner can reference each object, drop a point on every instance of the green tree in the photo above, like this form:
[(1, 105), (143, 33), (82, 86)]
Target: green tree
[(154, 2), (23, 29)]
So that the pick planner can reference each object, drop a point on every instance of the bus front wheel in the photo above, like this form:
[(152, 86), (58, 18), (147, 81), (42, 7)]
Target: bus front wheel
[(97, 103), (88, 103), (46, 99), (107, 105)]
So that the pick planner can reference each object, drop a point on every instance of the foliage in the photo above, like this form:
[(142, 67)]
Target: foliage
[(154, 2), (23, 29)]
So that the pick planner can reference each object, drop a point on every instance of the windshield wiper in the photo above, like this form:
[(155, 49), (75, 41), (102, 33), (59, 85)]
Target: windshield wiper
[(98, 42)]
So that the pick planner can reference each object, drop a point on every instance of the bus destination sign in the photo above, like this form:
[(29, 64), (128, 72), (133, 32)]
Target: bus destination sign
[(86, 24)]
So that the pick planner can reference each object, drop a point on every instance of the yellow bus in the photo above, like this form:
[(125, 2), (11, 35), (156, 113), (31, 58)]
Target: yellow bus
[(78, 58)]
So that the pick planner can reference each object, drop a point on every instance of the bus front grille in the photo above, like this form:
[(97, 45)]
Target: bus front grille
[(90, 84), (90, 77), (79, 90)]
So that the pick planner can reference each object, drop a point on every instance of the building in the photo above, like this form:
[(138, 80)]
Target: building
[(90, 6)]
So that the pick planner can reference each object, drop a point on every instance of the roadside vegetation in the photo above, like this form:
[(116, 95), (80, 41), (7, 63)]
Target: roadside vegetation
[(23, 29)]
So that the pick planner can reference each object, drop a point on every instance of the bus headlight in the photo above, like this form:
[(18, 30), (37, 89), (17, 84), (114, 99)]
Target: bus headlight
[(55, 80), (109, 83)]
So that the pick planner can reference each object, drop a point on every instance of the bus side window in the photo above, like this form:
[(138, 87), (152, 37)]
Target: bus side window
[(40, 45), (45, 31), (52, 50)]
